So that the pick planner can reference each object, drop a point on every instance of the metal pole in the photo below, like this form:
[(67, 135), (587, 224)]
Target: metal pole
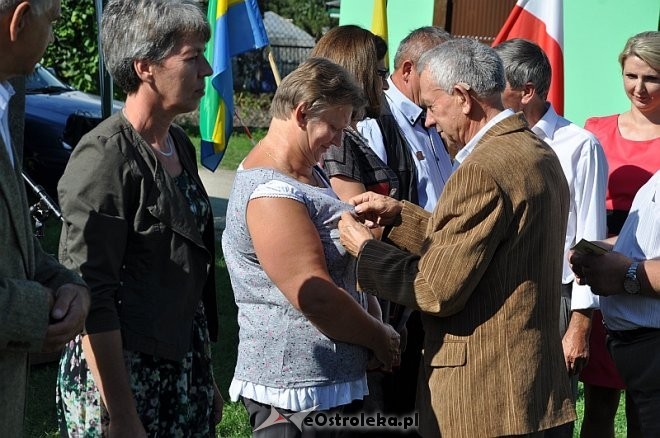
[(105, 81)]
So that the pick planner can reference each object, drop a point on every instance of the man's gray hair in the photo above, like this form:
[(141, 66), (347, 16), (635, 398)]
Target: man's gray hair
[(39, 6), (417, 42), (468, 62), (525, 62), (146, 30)]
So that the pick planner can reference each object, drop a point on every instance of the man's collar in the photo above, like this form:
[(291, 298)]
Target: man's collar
[(545, 127), (6, 92), (408, 108)]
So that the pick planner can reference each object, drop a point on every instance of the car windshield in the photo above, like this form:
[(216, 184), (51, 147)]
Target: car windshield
[(43, 81)]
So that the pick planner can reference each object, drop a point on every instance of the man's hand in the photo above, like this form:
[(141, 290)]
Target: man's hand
[(576, 341), (603, 273), (375, 209), (67, 315), (352, 234)]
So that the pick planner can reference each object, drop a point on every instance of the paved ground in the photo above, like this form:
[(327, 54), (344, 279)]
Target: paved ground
[(218, 186)]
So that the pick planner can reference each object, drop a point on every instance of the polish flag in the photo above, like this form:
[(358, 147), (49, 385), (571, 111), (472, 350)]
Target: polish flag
[(542, 22)]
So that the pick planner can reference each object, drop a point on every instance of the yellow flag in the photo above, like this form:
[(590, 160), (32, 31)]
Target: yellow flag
[(379, 22)]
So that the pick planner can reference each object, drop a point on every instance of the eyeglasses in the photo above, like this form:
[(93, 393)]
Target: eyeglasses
[(383, 73)]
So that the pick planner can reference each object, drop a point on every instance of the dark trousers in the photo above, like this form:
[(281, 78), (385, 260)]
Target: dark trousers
[(565, 430), (636, 354)]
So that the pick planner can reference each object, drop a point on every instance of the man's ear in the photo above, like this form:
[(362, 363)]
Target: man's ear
[(462, 93), (18, 20), (406, 69), (528, 92)]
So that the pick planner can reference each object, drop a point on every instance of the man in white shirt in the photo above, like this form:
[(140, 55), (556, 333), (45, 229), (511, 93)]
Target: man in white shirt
[(43, 305), (416, 154), (583, 161), (628, 280), (418, 157)]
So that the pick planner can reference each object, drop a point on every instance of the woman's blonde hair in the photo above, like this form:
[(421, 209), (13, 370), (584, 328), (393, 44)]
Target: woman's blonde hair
[(354, 49), (645, 46), (320, 84)]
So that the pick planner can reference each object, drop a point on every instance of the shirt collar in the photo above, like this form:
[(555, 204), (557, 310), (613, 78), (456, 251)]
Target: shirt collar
[(469, 147), (6, 92), (545, 127), (408, 108)]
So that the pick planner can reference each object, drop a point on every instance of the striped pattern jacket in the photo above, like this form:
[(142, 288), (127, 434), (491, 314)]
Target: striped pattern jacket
[(485, 270)]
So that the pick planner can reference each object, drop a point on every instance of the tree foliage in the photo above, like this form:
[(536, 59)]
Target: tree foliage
[(310, 15), (74, 53)]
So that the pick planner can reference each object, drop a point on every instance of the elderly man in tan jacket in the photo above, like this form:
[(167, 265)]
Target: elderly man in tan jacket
[(42, 304), (484, 267)]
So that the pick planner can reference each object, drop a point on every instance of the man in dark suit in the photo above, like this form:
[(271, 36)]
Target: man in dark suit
[(485, 266), (42, 304)]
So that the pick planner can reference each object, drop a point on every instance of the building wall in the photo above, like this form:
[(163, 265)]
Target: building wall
[(595, 32)]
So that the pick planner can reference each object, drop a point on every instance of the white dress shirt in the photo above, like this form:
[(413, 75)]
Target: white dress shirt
[(585, 166), (6, 92), (640, 240), (431, 158)]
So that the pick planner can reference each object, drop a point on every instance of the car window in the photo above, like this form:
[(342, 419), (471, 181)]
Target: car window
[(43, 81)]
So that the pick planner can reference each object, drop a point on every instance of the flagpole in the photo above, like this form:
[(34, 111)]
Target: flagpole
[(245, 128), (273, 66), (105, 81)]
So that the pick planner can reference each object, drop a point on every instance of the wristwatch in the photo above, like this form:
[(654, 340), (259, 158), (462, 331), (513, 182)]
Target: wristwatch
[(631, 282)]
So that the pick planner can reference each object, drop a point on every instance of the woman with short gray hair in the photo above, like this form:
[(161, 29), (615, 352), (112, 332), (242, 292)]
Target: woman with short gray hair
[(139, 229)]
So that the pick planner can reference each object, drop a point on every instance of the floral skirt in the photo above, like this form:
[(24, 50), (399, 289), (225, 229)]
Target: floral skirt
[(173, 398)]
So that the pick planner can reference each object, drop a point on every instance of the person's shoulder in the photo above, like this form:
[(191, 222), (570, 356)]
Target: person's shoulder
[(577, 134), (105, 135), (601, 122)]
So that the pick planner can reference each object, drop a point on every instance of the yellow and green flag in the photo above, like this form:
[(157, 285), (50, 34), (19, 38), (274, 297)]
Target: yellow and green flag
[(236, 27)]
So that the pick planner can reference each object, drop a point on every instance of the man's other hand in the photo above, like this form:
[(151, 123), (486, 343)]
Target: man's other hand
[(67, 315), (353, 234)]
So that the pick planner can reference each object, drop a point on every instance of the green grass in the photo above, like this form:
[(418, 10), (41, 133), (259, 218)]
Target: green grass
[(239, 146), (41, 420)]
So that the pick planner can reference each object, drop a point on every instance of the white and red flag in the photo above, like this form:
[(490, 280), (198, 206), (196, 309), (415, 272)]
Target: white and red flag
[(542, 22)]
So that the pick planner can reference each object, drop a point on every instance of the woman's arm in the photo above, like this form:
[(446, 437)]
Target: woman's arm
[(105, 359), (289, 248), (96, 193), (346, 188)]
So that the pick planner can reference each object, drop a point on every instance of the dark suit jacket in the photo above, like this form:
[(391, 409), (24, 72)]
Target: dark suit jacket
[(485, 269), (24, 271)]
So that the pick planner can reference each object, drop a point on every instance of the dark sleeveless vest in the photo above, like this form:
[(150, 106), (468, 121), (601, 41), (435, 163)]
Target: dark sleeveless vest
[(399, 155)]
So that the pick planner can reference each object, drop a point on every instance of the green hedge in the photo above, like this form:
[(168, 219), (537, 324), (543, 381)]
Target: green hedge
[(74, 54)]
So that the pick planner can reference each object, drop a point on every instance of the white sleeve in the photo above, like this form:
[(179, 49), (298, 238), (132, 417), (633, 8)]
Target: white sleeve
[(277, 189), (591, 184), (371, 131)]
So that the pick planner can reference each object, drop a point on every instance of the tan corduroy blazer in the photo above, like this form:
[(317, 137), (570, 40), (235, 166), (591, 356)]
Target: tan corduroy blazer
[(485, 270)]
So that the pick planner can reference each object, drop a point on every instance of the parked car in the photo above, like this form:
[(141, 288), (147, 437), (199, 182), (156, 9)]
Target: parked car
[(56, 116)]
